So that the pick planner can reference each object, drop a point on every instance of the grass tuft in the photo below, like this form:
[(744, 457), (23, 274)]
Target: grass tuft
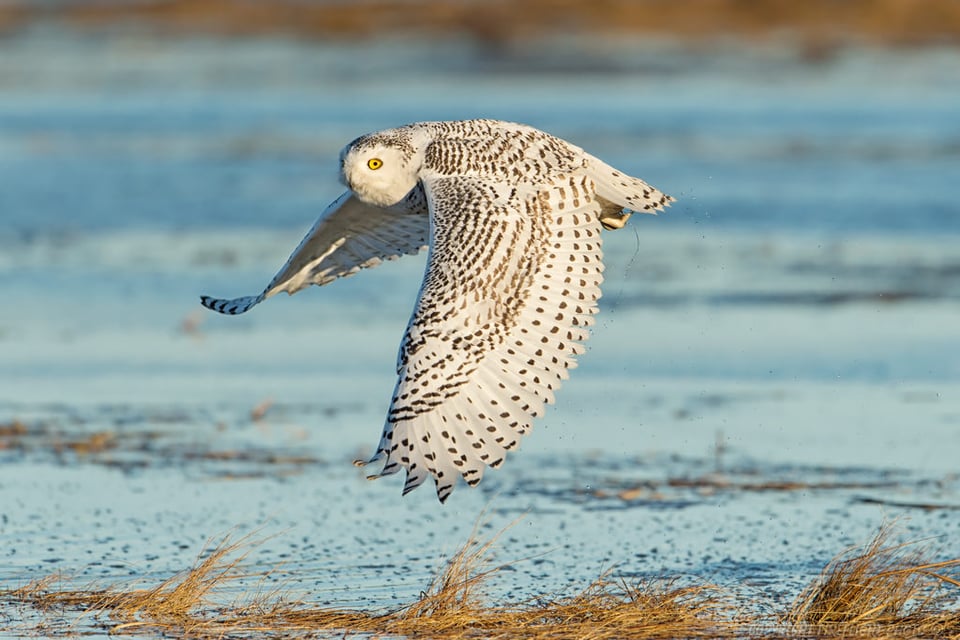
[(451, 607), (179, 602), (183, 602), (893, 587), (881, 590)]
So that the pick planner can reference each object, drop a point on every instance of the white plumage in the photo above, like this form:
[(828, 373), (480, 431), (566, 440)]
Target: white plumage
[(512, 217)]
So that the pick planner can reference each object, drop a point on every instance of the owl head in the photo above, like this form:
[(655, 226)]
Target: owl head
[(381, 168)]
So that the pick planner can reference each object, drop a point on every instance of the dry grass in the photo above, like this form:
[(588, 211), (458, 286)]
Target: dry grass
[(881, 591), (451, 607), (180, 602), (883, 588), (817, 23), (183, 602)]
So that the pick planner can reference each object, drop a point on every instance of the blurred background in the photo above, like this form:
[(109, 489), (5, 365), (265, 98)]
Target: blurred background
[(153, 150), (759, 115)]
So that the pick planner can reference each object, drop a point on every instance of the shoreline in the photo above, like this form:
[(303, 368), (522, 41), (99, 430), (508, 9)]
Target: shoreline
[(818, 26)]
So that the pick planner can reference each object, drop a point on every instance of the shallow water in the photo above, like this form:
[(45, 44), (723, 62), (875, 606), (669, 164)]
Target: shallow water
[(775, 372)]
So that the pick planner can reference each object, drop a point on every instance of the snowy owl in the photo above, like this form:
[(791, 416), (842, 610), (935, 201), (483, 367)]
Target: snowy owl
[(511, 217)]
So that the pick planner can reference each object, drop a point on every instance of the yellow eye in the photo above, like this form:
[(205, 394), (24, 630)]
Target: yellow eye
[(374, 163)]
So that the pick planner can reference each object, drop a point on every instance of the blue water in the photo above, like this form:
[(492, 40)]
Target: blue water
[(183, 134)]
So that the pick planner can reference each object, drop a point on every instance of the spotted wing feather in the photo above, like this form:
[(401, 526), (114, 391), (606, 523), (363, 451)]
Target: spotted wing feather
[(512, 284), (349, 236)]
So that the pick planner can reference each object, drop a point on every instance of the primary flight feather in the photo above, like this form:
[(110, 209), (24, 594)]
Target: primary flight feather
[(512, 218)]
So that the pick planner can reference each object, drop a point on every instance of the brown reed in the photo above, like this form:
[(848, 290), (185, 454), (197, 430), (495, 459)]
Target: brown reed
[(882, 587), (882, 590)]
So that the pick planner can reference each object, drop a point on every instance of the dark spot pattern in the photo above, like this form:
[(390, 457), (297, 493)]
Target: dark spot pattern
[(510, 290), (514, 217)]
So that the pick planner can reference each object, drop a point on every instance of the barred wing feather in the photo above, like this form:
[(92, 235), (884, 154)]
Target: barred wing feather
[(349, 236)]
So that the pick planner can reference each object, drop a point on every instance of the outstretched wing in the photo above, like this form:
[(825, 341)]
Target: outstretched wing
[(511, 286), (349, 236)]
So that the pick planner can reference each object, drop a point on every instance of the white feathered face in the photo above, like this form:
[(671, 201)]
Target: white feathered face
[(380, 173)]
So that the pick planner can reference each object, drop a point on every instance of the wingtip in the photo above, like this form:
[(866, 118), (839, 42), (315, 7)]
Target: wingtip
[(214, 304), (232, 307)]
